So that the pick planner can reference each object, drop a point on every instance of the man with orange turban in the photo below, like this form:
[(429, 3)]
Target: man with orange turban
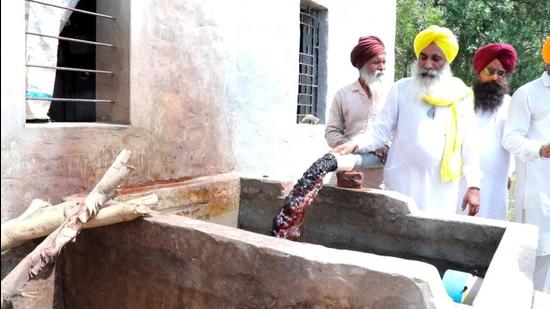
[(429, 117), (527, 136), (356, 105), (493, 64)]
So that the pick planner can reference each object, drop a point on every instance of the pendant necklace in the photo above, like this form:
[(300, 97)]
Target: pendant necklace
[(431, 112)]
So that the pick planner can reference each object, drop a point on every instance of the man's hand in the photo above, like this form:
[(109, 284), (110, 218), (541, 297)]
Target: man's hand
[(545, 151), (345, 148), (471, 200), (382, 153)]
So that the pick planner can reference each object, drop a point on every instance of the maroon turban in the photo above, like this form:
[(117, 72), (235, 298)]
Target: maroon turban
[(366, 48), (505, 53)]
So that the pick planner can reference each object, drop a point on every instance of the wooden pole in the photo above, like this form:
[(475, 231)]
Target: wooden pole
[(41, 223), (50, 247)]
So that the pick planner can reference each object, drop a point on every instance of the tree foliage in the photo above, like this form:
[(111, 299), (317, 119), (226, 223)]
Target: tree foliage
[(522, 23), (412, 17)]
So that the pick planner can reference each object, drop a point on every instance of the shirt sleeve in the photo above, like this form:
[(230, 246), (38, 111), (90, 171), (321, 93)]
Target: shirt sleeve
[(470, 147), (514, 137), (382, 128), (335, 127)]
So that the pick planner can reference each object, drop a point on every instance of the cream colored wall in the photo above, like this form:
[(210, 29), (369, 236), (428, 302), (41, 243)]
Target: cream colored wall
[(177, 112)]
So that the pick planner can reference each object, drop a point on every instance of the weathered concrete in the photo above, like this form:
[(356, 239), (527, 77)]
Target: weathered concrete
[(388, 223), (116, 86), (369, 220), (202, 88), (175, 262), (509, 279), (211, 198), (178, 129), (171, 261)]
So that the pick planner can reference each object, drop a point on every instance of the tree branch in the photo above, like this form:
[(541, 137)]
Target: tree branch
[(18, 231), (46, 251)]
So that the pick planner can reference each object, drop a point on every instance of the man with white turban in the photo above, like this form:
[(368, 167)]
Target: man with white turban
[(527, 136), (429, 116)]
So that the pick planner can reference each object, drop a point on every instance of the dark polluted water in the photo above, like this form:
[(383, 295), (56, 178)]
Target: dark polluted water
[(288, 223)]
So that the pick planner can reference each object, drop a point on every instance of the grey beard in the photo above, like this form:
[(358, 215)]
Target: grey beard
[(374, 81), (370, 77), (429, 76), (425, 81)]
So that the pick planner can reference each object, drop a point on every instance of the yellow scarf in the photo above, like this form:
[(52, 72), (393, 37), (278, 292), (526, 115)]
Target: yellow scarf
[(451, 163)]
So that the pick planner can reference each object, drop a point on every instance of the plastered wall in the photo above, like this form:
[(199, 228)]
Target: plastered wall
[(211, 88)]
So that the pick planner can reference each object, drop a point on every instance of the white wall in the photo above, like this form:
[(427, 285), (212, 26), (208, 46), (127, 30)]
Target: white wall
[(262, 78), (13, 67)]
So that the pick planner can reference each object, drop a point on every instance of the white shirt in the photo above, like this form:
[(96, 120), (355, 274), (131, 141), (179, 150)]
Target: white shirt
[(527, 129), (494, 163), (414, 159)]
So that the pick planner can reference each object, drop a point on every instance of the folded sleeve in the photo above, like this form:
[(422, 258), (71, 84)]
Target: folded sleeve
[(514, 137)]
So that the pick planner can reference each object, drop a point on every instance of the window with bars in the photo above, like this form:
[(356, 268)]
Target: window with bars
[(310, 79), (61, 61)]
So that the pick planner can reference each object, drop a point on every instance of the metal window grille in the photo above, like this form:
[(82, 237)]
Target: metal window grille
[(35, 65), (308, 81)]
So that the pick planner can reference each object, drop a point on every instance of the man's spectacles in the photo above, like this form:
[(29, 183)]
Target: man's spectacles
[(492, 71)]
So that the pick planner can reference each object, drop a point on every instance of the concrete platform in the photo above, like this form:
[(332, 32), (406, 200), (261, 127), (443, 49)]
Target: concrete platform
[(360, 249)]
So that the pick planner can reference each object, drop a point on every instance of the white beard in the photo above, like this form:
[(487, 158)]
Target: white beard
[(430, 82), (375, 81)]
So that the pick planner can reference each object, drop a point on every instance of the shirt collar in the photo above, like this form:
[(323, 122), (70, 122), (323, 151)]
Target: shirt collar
[(357, 87), (545, 79)]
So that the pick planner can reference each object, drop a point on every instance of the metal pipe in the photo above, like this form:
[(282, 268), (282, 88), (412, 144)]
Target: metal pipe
[(69, 69), (72, 9), (71, 100), (308, 85), (71, 39), (351, 162)]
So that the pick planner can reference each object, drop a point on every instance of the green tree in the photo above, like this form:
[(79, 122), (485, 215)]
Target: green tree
[(522, 23), (412, 17)]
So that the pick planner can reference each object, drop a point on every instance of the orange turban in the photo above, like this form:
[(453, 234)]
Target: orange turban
[(366, 48), (546, 51), (505, 53), (442, 37)]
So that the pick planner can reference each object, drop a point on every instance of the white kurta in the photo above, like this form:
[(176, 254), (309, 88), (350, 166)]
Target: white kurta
[(526, 130), (494, 163), (414, 159)]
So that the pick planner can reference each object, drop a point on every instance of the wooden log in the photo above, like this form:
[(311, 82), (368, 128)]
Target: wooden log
[(106, 187), (50, 247), (41, 223), (35, 206)]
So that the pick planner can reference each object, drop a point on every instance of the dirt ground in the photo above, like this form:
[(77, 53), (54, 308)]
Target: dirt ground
[(37, 294)]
